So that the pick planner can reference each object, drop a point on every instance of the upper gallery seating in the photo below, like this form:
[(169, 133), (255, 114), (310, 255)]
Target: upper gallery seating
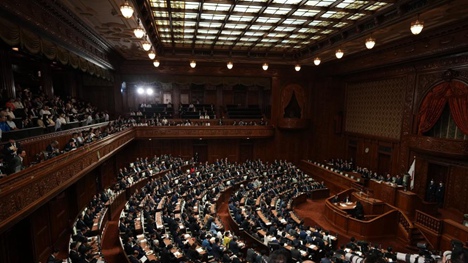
[(250, 112)]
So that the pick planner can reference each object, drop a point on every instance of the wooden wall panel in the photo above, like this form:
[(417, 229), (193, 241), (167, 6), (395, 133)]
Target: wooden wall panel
[(41, 232), (228, 97), (86, 188), (210, 97), (253, 97), (456, 189), (220, 149), (58, 214), (107, 172)]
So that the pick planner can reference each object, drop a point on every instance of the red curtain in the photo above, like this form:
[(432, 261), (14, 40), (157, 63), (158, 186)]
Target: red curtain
[(456, 93), (432, 107), (458, 102)]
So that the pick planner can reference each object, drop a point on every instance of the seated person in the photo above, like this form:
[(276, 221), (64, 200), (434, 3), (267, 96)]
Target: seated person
[(52, 149)]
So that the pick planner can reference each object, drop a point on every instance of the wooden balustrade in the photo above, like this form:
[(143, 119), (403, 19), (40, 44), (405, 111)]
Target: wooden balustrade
[(23, 192), (205, 132), (429, 222), (369, 229)]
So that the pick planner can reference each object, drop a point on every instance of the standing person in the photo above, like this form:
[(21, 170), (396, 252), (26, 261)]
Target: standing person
[(439, 195)]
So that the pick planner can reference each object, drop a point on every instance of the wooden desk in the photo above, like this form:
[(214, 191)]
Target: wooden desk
[(384, 191), (146, 247)]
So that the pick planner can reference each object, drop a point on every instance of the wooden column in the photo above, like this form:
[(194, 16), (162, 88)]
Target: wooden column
[(46, 80), (7, 81), (276, 100)]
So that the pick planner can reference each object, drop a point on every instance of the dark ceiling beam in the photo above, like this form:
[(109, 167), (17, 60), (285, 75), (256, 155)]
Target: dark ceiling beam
[(287, 16), (197, 24), (226, 19), (287, 6), (253, 21), (171, 24)]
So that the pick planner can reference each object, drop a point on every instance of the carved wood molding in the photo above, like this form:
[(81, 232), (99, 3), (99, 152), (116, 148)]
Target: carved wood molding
[(54, 21), (207, 132), (451, 148), (442, 42), (293, 124), (35, 186)]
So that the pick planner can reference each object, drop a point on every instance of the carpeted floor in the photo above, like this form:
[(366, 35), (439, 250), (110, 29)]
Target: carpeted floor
[(111, 247)]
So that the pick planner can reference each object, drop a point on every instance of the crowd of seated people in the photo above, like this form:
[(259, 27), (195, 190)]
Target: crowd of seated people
[(185, 223), (12, 154), (85, 243), (37, 110), (173, 217), (260, 209), (163, 121), (349, 166)]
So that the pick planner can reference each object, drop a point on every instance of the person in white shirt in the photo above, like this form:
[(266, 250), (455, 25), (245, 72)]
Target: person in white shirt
[(44, 111), (11, 123)]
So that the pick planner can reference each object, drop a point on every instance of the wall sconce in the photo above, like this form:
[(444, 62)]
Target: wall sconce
[(265, 66)]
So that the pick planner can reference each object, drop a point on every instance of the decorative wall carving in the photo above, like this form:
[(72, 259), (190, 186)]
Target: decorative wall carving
[(376, 107), (49, 28), (208, 132), (21, 192), (438, 146)]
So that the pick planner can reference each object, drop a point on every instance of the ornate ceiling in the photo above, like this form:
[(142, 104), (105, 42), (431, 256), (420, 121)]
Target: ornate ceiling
[(257, 31)]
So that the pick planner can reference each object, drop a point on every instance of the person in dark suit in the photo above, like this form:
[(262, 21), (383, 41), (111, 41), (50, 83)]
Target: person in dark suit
[(16, 163), (53, 257), (217, 250), (296, 254), (134, 257), (74, 256), (233, 246)]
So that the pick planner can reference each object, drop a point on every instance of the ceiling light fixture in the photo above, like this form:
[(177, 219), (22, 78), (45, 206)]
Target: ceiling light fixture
[(151, 54), (339, 53), (317, 61), (139, 31), (297, 67), (370, 43), (230, 65), (417, 26), (193, 64), (149, 91), (265, 66), (156, 63), (126, 9), (146, 45)]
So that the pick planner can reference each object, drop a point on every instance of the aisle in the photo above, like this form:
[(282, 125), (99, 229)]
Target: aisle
[(111, 248)]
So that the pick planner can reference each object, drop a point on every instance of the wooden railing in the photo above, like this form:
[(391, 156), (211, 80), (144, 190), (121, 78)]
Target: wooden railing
[(212, 132), (362, 229), (429, 222), (22, 192)]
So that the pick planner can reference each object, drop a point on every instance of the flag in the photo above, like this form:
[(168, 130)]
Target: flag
[(411, 173)]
